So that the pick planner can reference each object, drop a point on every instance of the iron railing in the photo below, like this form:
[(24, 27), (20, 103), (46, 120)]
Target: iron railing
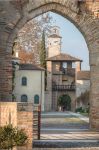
[(36, 122), (63, 87)]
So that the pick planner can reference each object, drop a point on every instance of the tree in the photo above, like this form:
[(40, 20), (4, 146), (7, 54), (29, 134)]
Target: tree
[(10, 137), (26, 57), (84, 98), (43, 52), (64, 101), (29, 37)]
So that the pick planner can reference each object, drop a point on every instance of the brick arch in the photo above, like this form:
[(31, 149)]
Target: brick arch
[(82, 22), (88, 26)]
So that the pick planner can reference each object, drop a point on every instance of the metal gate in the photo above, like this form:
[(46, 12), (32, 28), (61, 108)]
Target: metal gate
[(36, 122)]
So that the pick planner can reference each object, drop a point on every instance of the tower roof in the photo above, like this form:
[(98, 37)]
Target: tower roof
[(63, 57), (54, 33), (54, 36)]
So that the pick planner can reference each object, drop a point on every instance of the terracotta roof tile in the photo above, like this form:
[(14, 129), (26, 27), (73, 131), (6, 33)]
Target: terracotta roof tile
[(63, 57), (30, 67)]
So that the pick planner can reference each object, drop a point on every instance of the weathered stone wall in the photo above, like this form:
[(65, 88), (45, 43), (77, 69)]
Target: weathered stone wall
[(5, 76), (19, 115), (25, 118), (8, 113), (84, 15)]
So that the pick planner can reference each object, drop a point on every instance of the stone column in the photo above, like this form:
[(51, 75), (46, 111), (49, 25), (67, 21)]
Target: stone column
[(94, 92), (5, 76)]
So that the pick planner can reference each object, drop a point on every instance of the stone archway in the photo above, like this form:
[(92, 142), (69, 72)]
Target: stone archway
[(65, 102), (84, 15)]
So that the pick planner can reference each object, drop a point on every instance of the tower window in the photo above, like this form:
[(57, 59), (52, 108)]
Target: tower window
[(24, 81), (24, 98)]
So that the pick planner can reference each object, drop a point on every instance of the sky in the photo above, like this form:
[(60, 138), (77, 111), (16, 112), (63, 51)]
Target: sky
[(73, 42)]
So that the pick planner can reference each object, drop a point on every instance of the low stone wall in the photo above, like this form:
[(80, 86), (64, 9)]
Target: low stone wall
[(8, 113), (19, 115), (25, 118)]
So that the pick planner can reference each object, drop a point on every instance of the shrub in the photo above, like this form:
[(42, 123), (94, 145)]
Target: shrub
[(10, 137), (80, 109)]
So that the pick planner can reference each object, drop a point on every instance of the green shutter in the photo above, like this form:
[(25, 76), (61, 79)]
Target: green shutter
[(36, 99)]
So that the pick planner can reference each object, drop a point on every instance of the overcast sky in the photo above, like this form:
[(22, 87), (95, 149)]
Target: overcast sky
[(73, 41)]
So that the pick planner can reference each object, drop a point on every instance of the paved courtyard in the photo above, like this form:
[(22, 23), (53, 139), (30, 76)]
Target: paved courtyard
[(65, 131), (66, 125)]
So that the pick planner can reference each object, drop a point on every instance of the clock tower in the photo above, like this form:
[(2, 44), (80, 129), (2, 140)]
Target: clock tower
[(54, 42)]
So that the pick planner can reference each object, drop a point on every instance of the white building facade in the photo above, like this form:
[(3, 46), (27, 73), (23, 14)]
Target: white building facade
[(29, 84)]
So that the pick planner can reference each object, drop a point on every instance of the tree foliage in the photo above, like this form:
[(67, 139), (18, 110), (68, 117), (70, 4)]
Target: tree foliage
[(10, 137), (30, 36), (64, 101), (43, 52), (84, 97), (26, 57)]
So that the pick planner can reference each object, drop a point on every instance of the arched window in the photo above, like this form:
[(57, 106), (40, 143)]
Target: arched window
[(24, 81), (24, 98), (36, 99)]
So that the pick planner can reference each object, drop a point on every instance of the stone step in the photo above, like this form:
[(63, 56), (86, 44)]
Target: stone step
[(87, 148), (65, 143), (69, 135), (65, 130)]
